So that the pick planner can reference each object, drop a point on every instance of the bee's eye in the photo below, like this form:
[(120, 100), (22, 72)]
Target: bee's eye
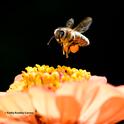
[(61, 33)]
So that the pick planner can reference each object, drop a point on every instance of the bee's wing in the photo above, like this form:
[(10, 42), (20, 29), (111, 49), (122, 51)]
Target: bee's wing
[(84, 25), (70, 23)]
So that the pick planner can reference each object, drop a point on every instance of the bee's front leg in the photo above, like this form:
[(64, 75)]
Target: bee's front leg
[(63, 48), (63, 52)]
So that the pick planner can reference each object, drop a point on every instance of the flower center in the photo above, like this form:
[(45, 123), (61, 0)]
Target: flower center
[(48, 77)]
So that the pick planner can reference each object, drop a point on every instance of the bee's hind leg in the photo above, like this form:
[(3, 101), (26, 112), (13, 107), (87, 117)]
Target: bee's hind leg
[(67, 52), (66, 55)]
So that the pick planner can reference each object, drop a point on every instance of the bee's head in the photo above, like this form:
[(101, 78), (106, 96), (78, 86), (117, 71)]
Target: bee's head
[(59, 33)]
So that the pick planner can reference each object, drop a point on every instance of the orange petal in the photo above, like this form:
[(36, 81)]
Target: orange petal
[(2, 93), (11, 121), (120, 88), (64, 104), (18, 120), (18, 77), (44, 102), (112, 111), (15, 103), (67, 102), (104, 99)]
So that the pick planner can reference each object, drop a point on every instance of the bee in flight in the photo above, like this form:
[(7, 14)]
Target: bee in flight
[(72, 38)]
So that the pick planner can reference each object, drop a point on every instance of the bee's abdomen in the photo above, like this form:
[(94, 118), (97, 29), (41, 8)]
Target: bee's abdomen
[(80, 39)]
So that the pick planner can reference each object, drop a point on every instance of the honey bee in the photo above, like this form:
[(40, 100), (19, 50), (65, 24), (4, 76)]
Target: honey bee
[(72, 38)]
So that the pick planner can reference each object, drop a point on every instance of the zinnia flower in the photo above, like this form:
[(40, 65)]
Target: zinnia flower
[(63, 95)]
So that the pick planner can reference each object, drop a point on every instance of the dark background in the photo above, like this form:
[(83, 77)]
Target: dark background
[(27, 26)]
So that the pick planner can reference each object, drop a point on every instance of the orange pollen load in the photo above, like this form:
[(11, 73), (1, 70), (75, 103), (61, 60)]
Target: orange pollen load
[(74, 48)]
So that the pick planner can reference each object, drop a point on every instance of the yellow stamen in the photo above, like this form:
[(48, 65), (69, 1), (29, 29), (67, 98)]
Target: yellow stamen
[(49, 77)]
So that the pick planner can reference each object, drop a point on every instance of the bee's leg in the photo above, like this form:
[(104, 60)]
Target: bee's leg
[(70, 43), (63, 49), (63, 52), (66, 54), (66, 50)]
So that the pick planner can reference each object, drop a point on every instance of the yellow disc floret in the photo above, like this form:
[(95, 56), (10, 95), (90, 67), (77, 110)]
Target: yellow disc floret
[(48, 77)]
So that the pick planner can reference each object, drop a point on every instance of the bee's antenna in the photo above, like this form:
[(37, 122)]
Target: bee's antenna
[(50, 39)]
